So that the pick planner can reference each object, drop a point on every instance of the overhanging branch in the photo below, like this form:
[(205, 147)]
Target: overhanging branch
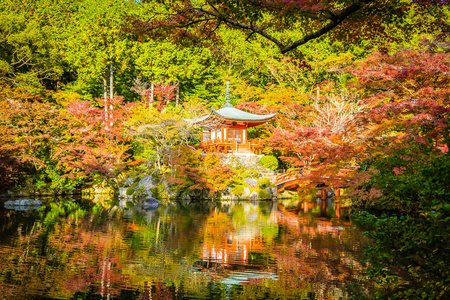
[(336, 18)]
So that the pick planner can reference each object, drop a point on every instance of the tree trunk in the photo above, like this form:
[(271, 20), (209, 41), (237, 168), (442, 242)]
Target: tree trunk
[(177, 95), (150, 101), (111, 78), (111, 87), (105, 98)]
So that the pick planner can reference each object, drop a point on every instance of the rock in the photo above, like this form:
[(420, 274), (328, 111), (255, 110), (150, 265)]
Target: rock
[(186, 196), (151, 203), (123, 192), (269, 190), (128, 182), (24, 204), (287, 194), (274, 192), (246, 192), (253, 196), (146, 183), (251, 182)]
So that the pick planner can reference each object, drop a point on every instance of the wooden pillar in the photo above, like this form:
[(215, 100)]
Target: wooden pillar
[(337, 191), (323, 206), (338, 209)]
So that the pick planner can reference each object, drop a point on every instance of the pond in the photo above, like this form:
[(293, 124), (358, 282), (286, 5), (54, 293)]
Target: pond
[(229, 250)]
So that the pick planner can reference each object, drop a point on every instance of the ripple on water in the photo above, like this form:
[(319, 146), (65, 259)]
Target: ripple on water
[(239, 250)]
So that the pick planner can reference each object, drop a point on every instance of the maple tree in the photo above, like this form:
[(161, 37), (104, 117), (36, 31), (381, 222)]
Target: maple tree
[(196, 172), (60, 146), (312, 19), (92, 148), (406, 138)]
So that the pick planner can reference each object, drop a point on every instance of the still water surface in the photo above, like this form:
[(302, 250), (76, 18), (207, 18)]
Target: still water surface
[(230, 250)]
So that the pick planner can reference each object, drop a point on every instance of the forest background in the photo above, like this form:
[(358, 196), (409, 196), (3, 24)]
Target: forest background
[(92, 92)]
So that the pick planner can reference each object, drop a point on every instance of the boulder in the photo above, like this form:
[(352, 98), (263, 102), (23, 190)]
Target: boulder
[(151, 203), (274, 192), (123, 192), (128, 182), (269, 190), (186, 196), (23, 202), (251, 182), (146, 183), (253, 196), (246, 192)]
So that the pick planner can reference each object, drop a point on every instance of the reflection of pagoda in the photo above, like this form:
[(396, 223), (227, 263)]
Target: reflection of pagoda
[(229, 248), (306, 250), (228, 129)]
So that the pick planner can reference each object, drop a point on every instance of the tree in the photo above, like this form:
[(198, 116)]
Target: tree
[(98, 48), (29, 57), (191, 70), (268, 19)]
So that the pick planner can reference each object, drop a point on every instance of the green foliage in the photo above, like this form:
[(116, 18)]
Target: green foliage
[(264, 182), (263, 194), (410, 247), (238, 190), (55, 179), (243, 173), (270, 162), (29, 52), (130, 191), (409, 253), (413, 178), (159, 191)]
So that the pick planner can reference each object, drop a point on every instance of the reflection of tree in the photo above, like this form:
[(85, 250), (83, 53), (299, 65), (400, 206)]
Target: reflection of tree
[(97, 250), (306, 252), (66, 249)]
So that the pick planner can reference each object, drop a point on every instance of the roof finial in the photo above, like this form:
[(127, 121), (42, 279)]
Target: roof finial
[(228, 92), (227, 96)]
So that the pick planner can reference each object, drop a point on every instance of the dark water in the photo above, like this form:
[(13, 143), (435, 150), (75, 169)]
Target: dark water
[(229, 250)]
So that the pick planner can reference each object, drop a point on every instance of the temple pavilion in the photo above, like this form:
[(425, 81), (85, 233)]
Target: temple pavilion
[(225, 130)]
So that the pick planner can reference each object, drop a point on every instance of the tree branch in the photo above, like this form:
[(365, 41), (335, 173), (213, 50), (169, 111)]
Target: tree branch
[(336, 18)]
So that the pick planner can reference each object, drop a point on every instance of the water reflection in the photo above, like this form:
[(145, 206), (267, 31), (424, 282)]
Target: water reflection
[(231, 250)]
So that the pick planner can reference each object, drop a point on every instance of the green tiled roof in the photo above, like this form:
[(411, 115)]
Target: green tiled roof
[(229, 112)]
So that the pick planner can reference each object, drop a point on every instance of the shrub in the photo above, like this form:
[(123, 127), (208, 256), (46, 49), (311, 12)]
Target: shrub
[(238, 190), (270, 162), (263, 194), (264, 182), (159, 192), (130, 191)]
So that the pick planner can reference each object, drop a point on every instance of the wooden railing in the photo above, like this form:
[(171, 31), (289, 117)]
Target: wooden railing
[(289, 175), (293, 178), (231, 146)]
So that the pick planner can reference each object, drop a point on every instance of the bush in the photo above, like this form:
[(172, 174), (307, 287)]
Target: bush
[(238, 190), (159, 192), (264, 182), (263, 194), (270, 162), (130, 191)]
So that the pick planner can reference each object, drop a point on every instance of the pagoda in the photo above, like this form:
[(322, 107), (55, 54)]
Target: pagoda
[(227, 129)]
